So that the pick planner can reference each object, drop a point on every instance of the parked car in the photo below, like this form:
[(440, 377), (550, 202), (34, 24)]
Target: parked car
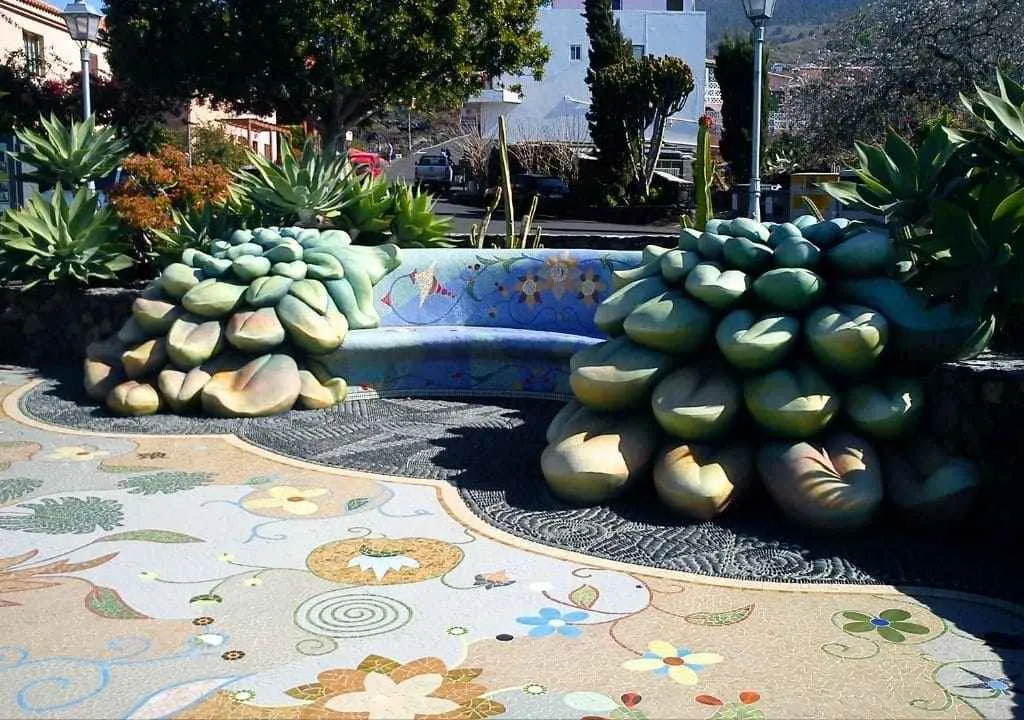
[(434, 171), (366, 162), (547, 187)]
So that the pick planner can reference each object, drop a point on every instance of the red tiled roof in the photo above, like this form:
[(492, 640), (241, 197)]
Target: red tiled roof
[(44, 6)]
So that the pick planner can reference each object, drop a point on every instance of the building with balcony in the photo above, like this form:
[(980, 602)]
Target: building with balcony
[(555, 107)]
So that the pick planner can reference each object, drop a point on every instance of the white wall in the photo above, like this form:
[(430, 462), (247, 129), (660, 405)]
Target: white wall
[(63, 52), (556, 107)]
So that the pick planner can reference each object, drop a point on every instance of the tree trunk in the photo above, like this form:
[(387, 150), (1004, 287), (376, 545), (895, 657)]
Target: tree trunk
[(345, 112), (654, 153)]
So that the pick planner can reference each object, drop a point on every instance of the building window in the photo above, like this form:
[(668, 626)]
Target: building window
[(575, 52), (676, 5), (638, 51), (34, 52), (616, 4)]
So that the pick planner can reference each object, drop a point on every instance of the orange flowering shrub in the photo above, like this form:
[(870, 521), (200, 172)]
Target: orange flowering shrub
[(158, 183)]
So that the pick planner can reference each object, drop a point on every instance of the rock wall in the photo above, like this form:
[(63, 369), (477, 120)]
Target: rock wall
[(49, 326), (977, 407)]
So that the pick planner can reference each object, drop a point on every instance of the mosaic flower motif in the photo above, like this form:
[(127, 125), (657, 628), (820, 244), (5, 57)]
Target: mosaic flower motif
[(560, 275), (549, 621), (528, 289), (677, 663), (590, 288), (493, 580), (77, 453), (381, 562), (382, 689), (998, 686), (385, 699), (891, 624), (292, 500), (243, 696), (534, 689), (457, 630), (57, 516)]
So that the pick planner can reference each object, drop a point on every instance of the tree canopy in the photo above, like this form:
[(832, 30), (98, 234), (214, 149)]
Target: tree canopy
[(334, 62), (896, 64)]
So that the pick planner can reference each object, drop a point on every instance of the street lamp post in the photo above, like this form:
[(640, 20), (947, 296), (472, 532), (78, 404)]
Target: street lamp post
[(758, 12), (83, 22)]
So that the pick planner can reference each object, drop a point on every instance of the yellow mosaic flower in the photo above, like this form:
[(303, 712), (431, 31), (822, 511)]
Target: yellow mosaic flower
[(679, 664), (292, 500), (77, 453)]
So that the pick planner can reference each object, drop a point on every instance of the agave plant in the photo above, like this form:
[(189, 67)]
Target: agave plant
[(415, 223), (898, 181), (58, 241), (301, 190), (369, 209), (69, 156), (1002, 116)]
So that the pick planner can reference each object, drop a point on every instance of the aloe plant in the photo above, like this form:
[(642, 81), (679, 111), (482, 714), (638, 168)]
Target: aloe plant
[(415, 223), (62, 242), (306, 190), (1002, 116), (69, 156)]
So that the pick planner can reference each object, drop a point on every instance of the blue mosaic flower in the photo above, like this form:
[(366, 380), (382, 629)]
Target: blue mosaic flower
[(548, 621)]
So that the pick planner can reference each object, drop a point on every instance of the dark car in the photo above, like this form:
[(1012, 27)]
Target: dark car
[(547, 187)]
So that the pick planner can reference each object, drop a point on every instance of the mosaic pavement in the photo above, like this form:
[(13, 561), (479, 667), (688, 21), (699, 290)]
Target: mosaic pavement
[(202, 577)]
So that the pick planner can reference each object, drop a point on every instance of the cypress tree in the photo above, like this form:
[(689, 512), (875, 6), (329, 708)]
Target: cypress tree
[(608, 47), (734, 71)]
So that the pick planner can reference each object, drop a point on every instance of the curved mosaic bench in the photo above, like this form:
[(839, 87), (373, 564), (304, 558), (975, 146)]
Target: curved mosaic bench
[(479, 322)]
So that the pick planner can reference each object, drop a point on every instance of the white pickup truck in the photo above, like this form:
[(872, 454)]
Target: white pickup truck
[(434, 171)]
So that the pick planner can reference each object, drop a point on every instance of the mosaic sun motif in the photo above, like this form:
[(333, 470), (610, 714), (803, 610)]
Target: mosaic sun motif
[(367, 561)]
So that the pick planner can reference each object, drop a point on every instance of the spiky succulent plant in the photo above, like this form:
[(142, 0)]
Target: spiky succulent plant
[(415, 223), (305, 189), (245, 329)]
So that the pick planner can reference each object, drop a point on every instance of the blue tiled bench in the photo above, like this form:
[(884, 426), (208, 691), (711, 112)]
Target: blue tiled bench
[(480, 322)]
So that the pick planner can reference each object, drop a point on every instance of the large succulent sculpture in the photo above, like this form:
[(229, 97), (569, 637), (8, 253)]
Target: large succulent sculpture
[(780, 350), (239, 331)]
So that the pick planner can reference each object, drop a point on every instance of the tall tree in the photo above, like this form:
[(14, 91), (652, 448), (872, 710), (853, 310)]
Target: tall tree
[(608, 47), (335, 62), (734, 71), (645, 93)]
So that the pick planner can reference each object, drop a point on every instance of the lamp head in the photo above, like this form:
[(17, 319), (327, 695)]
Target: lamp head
[(758, 11), (83, 21)]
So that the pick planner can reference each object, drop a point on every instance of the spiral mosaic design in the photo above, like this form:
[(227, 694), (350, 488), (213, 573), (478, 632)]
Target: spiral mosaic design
[(338, 614)]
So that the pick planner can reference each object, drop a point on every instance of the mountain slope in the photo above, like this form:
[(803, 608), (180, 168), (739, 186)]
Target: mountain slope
[(796, 28)]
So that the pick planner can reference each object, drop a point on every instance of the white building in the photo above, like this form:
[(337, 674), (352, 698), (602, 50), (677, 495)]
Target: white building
[(555, 108)]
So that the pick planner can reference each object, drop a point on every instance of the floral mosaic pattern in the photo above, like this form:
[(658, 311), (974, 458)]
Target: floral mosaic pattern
[(222, 583), (540, 290)]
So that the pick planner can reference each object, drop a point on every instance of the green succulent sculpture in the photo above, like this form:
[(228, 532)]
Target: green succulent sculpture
[(244, 329), (789, 342)]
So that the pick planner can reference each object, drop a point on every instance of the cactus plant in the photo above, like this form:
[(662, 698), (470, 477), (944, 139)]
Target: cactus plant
[(703, 173)]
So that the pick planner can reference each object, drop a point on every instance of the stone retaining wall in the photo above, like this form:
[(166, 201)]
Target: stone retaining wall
[(47, 326), (977, 410)]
